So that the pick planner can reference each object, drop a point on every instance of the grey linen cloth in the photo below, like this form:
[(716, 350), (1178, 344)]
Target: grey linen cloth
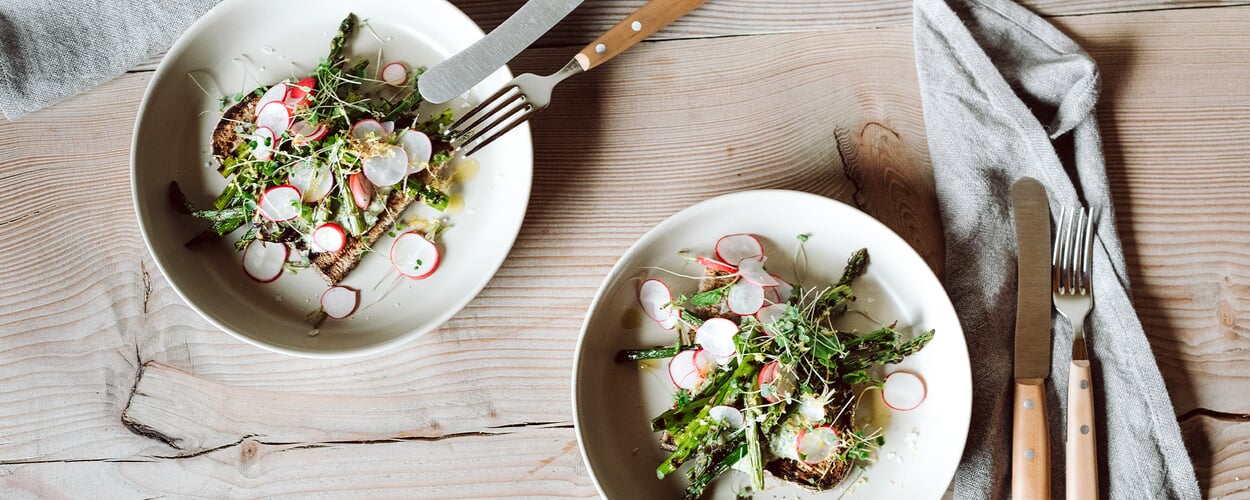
[(51, 50), (1007, 95)]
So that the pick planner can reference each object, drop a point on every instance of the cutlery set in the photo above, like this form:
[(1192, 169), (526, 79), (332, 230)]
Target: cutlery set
[(1067, 278)]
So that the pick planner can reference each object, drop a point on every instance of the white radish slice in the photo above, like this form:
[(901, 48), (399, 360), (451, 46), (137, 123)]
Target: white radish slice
[(395, 73), (903, 391), (816, 445), (681, 368), (263, 261), (265, 142), (655, 297), (414, 256), (768, 314), (363, 129), (388, 126), (361, 188), (274, 115), (276, 93), (715, 265), (780, 378), (387, 167), (671, 321), (705, 362), (303, 132), (812, 408), (782, 290), (745, 298), (339, 302), (753, 270), (728, 415), (314, 181), (281, 203), (329, 237), (736, 247), (418, 147), (717, 336)]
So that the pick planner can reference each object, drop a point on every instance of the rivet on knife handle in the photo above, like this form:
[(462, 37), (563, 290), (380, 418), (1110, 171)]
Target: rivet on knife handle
[(633, 29)]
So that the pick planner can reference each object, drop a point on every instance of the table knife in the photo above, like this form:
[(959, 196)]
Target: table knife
[(1030, 435), (455, 76)]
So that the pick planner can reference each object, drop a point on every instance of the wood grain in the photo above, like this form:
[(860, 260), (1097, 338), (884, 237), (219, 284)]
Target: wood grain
[(1220, 447)]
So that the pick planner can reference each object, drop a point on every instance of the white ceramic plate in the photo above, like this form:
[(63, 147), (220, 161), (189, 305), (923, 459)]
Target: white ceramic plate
[(614, 402), (240, 45)]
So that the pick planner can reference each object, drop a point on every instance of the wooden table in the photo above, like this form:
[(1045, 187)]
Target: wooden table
[(111, 387)]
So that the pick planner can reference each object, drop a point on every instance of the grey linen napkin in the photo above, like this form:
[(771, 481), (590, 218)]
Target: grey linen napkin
[(51, 50), (1007, 95)]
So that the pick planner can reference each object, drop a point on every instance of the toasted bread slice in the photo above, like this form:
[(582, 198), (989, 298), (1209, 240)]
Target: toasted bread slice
[(225, 139), (713, 279), (819, 476)]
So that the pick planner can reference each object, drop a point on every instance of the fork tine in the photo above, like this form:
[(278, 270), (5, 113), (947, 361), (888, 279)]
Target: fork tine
[(1087, 264), (481, 106), (520, 119), (1056, 260), (495, 112)]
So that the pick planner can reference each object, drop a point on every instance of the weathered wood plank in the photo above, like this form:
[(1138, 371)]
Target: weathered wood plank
[(1220, 448)]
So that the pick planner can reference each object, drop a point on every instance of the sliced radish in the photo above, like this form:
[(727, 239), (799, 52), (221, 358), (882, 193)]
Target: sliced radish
[(418, 147), (304, 132), (736, 247), (395, 73), (682, 369), (266, 140), (705, 362), (715, 265), (363, 129), (753, 270), (389, 127), (263, 261), (387, 167), (717, 336), (339, 302), (768, 314), (671, 321), (361, 188), (655, 299), (745, 298), (275, 93), (903, 391), (782, 290), (329, 237), (812, 408), (816, 445), (414, 256), (314, 181), (297, 95), (281, 203), (780, 380), (274, 115), (728, 415)]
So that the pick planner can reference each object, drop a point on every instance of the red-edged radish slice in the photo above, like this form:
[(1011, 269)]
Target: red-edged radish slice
[(780, 379), (753, 270), (655, 299), (682, 370), (388, 126), (395, 73), (361, 188), (782, 290), (364, 129), (414, 256), (717, 336), (339, 302), (314, 181), (734, 248), (729, 416), (266, 141), (275, 93), (768, 314), (745, 298), (705, 362), (418, 147), (812, 408), (281, 203), (274, 115), (304, 132), (264, 261), (297, 95), (715, 265), (329, 237), (671, 321), (816, 445), (903, 391), (387, 167)]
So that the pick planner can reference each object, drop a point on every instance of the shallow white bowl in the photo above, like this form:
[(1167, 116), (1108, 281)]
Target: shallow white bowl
[(240, 45)]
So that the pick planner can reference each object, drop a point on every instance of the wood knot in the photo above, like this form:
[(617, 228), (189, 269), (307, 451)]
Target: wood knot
[(248, 450)]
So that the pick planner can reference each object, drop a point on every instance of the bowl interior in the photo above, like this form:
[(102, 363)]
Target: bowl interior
[(241, 45)]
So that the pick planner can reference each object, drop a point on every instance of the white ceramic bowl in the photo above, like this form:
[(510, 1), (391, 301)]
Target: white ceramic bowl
[(614, 402), (240, 45)]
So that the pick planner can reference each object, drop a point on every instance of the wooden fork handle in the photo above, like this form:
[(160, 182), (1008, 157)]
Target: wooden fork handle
[(1082, 448), (641, 24), (1030, 442)]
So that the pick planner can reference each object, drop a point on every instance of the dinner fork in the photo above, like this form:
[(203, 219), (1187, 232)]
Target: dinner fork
[(527, 94), (1071, 282)]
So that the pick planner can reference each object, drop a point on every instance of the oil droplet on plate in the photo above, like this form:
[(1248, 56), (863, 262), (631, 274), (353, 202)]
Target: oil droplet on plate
[(455, 203), (466, 170), (631, 319)]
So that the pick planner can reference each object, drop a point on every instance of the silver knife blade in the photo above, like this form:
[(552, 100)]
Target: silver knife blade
[(1031, 210), (455, 76)]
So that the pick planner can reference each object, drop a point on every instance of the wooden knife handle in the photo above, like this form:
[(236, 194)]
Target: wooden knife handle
[(641, 24), (1082, 447), (1030, 442)]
